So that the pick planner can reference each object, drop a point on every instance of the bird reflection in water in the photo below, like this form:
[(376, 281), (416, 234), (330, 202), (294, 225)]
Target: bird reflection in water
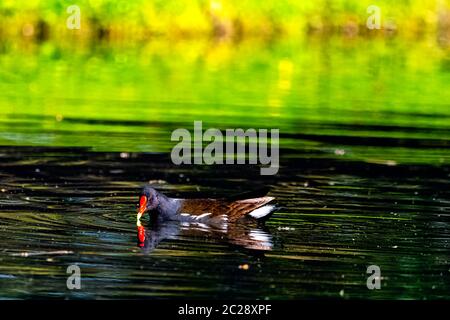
[(246, 236)]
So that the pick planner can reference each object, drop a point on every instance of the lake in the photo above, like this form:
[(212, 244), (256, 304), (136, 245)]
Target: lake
[(363, 180)]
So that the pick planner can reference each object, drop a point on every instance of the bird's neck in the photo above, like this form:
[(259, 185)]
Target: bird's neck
[(168, 207)]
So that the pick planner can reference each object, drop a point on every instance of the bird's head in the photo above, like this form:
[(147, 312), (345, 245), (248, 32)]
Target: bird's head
[(148, 200)]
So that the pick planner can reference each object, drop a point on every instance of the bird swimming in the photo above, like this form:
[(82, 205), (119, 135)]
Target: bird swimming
[(206, 211)]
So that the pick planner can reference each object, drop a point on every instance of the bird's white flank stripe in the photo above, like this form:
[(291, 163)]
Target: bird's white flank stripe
[(202, 216)]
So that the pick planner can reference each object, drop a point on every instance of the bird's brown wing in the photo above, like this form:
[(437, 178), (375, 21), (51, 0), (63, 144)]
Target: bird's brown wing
[(234, 210)]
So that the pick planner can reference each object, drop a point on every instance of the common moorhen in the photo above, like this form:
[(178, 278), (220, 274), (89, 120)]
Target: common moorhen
[(206, 211)]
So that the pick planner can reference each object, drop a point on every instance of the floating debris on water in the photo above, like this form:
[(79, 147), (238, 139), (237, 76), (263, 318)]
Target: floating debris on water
[(244, 266), (285, 228)]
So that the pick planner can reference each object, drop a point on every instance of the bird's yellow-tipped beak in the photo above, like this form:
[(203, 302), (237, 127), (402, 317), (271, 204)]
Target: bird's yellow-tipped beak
[(142, 207), (138, 221)]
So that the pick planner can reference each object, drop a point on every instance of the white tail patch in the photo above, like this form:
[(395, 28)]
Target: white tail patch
[(262, 211)]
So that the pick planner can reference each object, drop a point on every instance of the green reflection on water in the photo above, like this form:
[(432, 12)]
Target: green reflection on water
[(130, 98)]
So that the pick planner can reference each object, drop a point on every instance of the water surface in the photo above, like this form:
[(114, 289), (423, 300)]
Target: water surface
[(70, 206), (364, 177)]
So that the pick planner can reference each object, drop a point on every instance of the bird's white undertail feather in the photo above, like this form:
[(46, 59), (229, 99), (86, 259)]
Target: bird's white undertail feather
[(262, 211)]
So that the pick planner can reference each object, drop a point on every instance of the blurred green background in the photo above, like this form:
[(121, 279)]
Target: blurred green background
[(138, 69)]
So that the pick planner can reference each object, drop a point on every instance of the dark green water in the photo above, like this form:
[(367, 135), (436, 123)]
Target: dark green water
[(364, 177), (338, 217)]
